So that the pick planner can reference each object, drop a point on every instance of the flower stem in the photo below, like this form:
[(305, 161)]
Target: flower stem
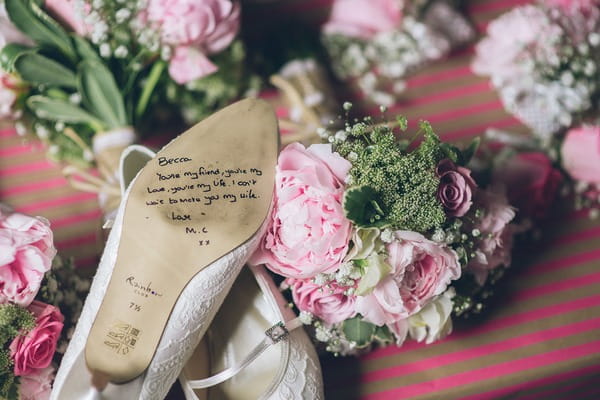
[(149, 87)]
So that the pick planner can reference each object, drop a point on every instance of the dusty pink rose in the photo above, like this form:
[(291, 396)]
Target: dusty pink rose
[(495, 247), (36, 386), (581, 153), (26, 253), (308, 232), (363, 18), (456, 188), (65, 12), (421, 270), (194, 28), (328, 303), (35, 350), (531, 182)]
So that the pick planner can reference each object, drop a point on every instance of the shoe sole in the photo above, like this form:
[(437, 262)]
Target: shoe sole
[(203, 195)]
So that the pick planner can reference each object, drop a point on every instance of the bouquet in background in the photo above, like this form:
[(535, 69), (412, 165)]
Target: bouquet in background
[(89, 77), (37, 312), (373, 234), (378, 43), (544, 60)]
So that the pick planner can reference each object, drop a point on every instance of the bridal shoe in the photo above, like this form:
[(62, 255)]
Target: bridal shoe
[(232, 362), (186, 225), (285, 366)]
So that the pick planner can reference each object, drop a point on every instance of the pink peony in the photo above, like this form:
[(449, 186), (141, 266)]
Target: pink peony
[(421, 270), (38, 385), (363, 18), (194, 28), (531, 182), (494, 248), (570, 6), (26, 253), (65, 12), (328, 302), (308, 232), (456, 188), (581, 153), (35, 350)]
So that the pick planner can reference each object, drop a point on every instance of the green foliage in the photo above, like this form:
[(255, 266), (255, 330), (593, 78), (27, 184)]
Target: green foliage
[(403, 184), (14, 321), (39, 70), (60, 110), (101, 94), (35, 23), (361, 205), (358, 331), (10, 53)]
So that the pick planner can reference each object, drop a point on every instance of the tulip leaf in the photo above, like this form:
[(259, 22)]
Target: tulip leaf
[(85, 49), (37, 69), (10, 53), (39, 26), (358, 331), (101, 93), (61, 110)]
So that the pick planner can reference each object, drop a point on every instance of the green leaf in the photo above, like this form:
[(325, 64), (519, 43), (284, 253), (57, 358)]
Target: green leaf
[(470, 151), (101, 93), (40, 70), (358, 331), (9, 54), (383, 334), (402, 122), (84, 49), (362, 206), (61, 110), (39, 26), (450, 152)]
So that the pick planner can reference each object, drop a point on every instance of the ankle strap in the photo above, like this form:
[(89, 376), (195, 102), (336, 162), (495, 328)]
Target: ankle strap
[(274, 334)]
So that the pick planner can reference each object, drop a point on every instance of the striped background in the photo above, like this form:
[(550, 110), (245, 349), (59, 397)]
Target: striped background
[(541, 341)]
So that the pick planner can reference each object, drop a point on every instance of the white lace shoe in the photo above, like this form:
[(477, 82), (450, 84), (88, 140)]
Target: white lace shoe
[(249, 353), (186, 226)]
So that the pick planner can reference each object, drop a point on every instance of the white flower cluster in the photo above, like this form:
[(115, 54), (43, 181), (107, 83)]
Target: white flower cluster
[(391, 54), (544, 63)]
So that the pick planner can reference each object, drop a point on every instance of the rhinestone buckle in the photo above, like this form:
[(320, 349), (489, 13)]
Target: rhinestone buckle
[(277, 332)]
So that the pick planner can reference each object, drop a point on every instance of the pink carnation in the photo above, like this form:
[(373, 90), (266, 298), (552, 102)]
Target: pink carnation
[(308, 232), (495, 247), (581, 153), (194, 28), (363, 18), (36, 386), (328, 302), (421, 270), (35, 350), (26, 253)]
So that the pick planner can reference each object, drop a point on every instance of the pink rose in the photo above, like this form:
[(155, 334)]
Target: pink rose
[(495, 247), (456, 188), (573, 5), (531, 182), (194, 28), (65, 12), (421, 270), (36, 386), (35, 350), (308, 232), (328, 302), (363, 19), (581, 153), (26, 253)]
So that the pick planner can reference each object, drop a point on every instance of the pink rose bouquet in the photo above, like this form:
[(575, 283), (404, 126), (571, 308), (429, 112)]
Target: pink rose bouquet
[(31, 323), (374, 236)]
